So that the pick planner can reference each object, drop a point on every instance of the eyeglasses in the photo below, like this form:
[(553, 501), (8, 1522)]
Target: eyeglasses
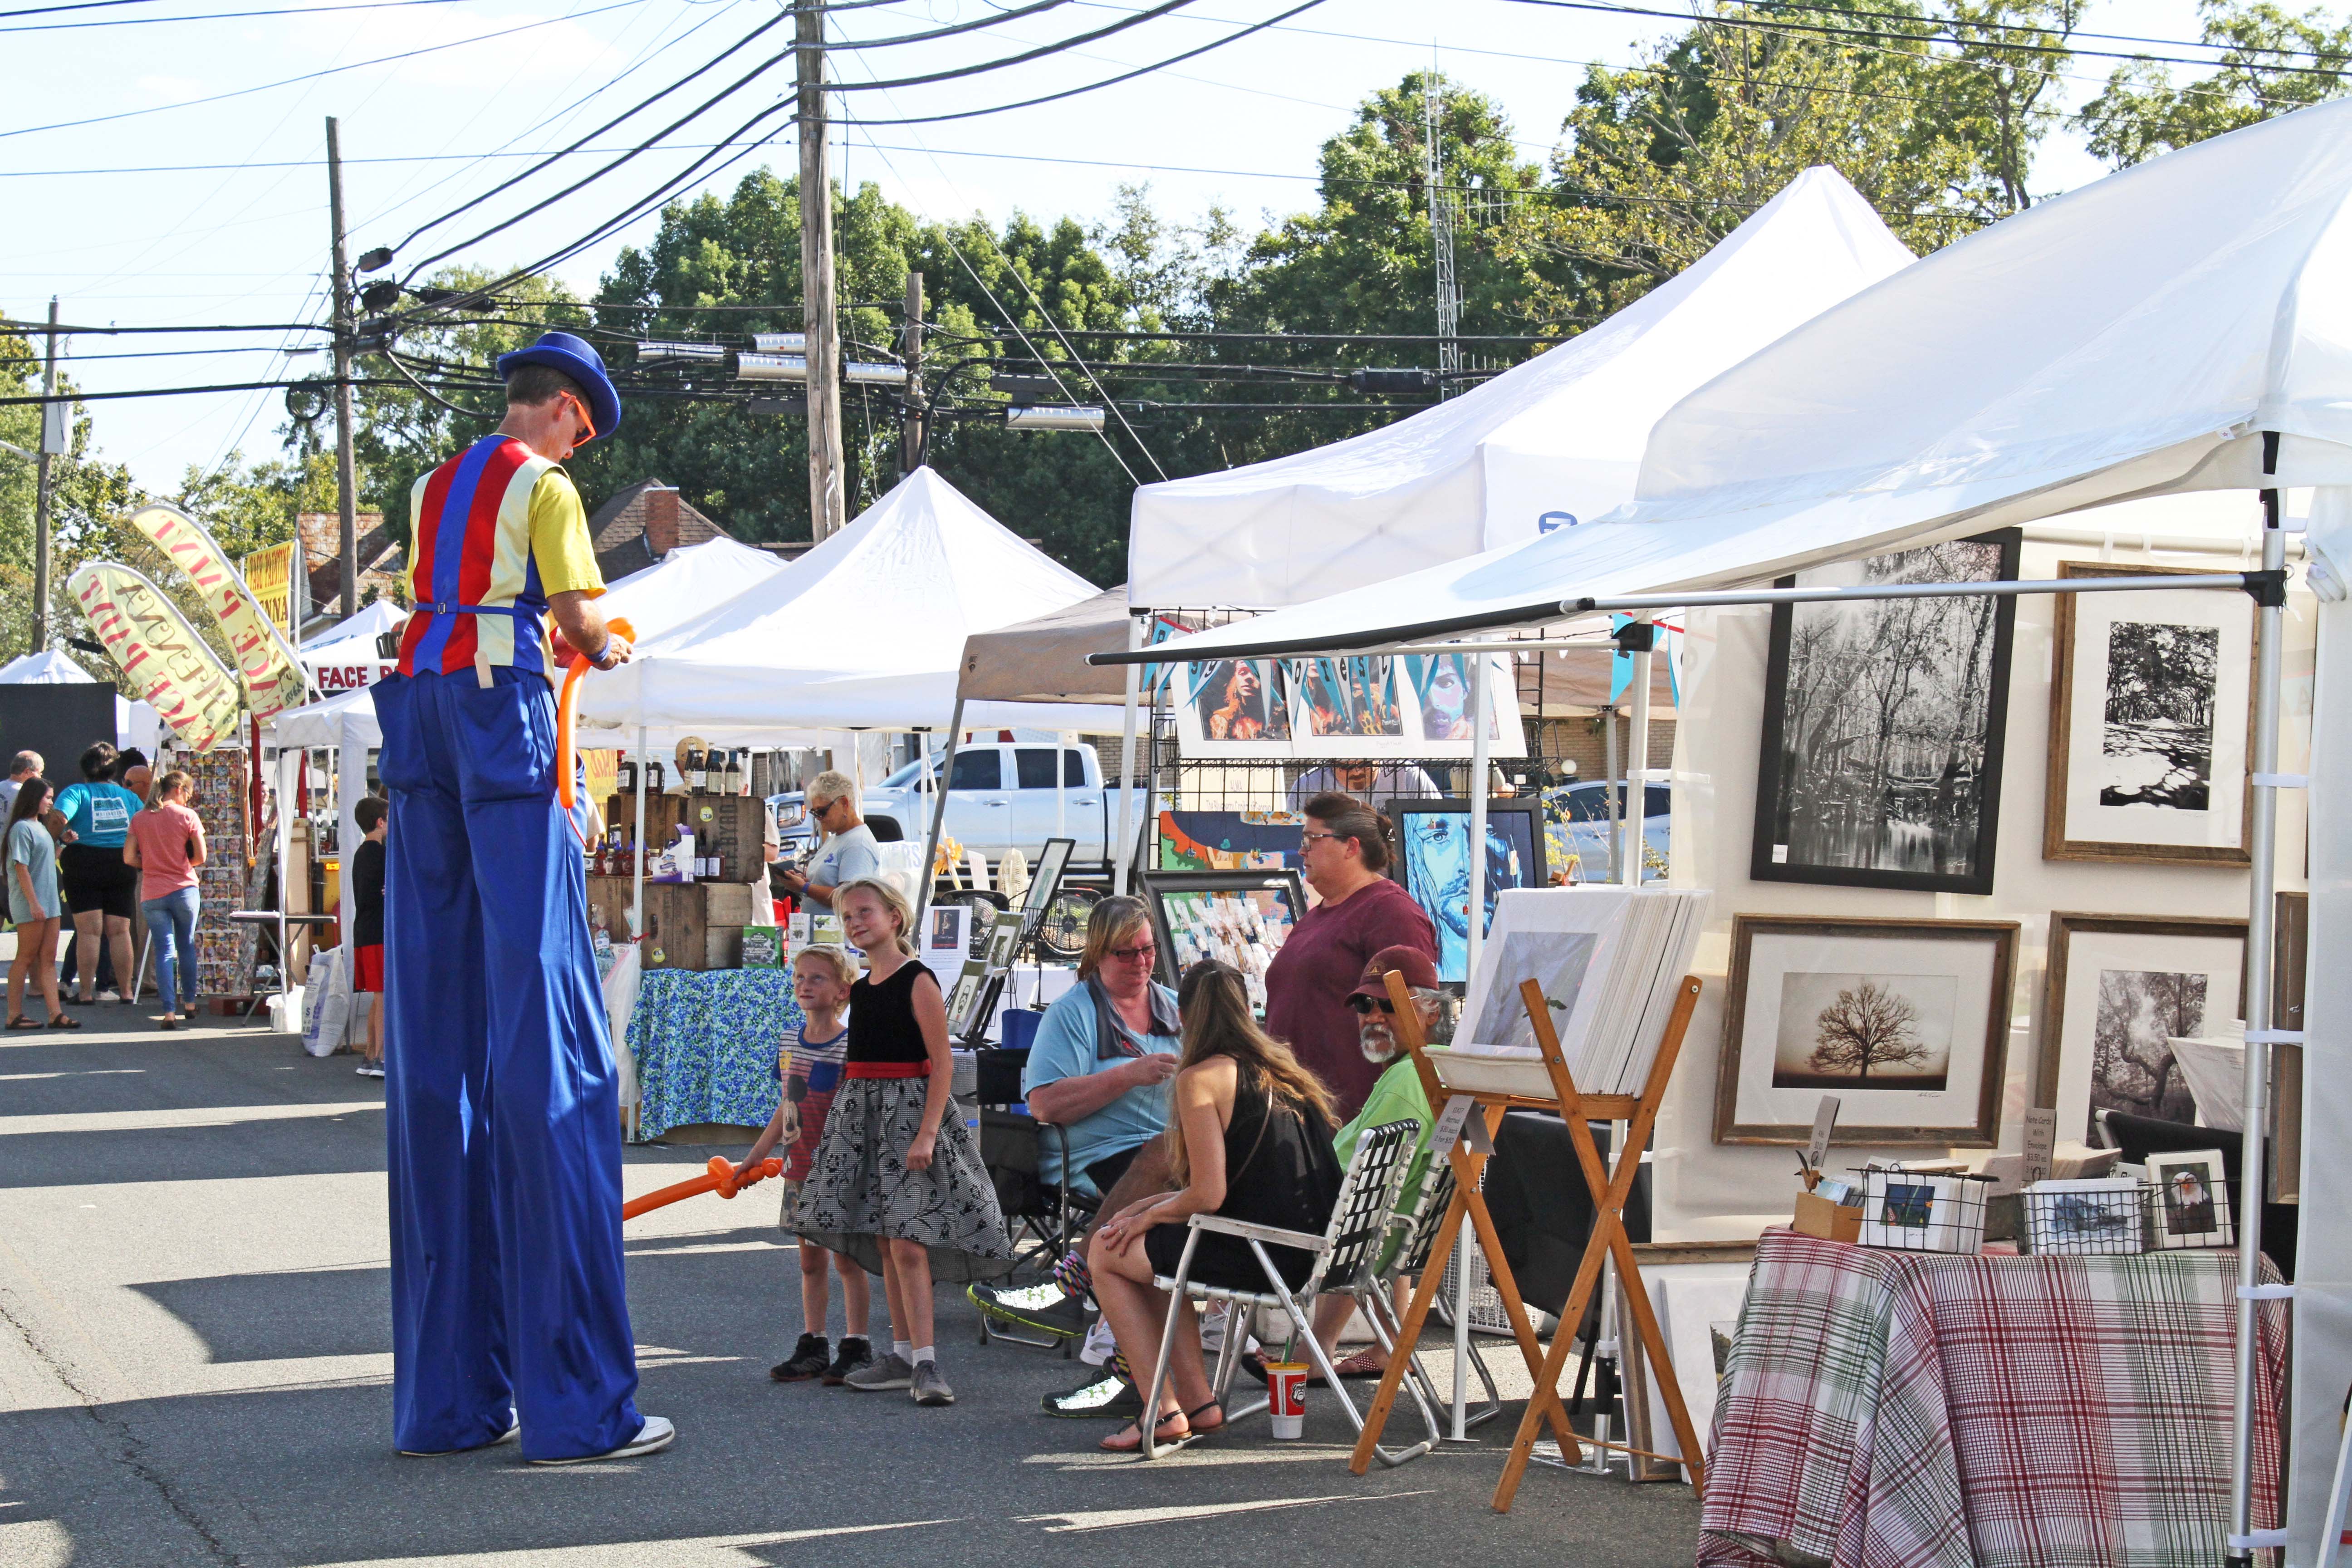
[(587, 421), (1140, 952), (1362, 1005), (1306, 840)]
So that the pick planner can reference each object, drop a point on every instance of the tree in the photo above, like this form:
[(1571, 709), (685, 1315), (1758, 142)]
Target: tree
[(87, 495), (2270, 63), (1868, 1026)]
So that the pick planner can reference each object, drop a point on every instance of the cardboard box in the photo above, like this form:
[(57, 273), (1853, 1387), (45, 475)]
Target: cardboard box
[(1818, 1217)]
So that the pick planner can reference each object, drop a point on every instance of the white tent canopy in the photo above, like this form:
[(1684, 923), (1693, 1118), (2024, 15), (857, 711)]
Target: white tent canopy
[(866, 631), (2131, 338), (383, 616), (1547, 444)]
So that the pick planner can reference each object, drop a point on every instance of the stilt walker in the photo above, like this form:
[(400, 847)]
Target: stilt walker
[(509, 1319)]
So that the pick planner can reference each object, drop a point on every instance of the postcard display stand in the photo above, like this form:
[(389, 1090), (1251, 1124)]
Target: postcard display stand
[(1611, 1189), (224, 951)]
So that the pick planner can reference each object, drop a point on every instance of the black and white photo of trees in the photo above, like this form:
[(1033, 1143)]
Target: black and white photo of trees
[(2132, 1066), (1864, 1031), (1882, 749), (2157, 748)]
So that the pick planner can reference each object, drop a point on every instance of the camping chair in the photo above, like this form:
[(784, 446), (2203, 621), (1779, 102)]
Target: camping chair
[(1374, 1294), (1360, 1221), (1041, 1217)]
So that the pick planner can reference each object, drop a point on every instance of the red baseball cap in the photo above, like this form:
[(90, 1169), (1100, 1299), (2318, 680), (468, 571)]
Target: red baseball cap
[(1419, 971)]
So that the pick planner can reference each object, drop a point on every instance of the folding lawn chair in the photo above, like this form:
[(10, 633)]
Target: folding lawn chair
[(1351, 1243), (1043, 1216), (1374, 1293)]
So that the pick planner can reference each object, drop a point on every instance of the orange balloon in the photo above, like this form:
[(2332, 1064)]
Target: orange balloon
[(564, 704)]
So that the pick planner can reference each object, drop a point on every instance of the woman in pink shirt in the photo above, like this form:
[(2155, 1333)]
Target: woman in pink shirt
[(167, 844)]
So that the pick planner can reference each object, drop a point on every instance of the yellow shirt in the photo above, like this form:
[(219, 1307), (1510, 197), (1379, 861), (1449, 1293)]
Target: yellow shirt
[(560, 543)]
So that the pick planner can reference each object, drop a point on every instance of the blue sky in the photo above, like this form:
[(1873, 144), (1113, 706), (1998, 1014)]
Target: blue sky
[(247, 242)]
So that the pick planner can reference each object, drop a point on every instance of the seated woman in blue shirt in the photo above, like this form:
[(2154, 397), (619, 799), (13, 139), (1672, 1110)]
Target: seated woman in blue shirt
[(1098, 1072)]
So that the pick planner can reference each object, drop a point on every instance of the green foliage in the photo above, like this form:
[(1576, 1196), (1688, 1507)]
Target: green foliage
[(2272, 63)]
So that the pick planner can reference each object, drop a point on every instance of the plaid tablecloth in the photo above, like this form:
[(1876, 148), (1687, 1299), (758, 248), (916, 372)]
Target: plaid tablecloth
[(1895, 1410), (705, 1044)]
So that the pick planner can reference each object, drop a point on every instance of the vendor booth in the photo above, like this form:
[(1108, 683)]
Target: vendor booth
[(2045, 482)]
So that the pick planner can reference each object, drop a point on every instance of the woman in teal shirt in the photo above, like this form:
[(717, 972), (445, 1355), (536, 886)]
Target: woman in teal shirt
[(93, 819), (31, 865)]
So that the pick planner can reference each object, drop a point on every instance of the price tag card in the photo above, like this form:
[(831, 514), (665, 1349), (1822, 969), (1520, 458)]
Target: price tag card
[(2041, 1143), (1824, 1121), (1448, 1130)]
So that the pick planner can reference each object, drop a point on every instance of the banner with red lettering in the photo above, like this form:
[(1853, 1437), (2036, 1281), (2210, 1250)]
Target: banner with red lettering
[(167, 662), (267, 666)]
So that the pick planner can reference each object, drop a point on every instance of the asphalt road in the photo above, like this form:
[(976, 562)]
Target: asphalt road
[(194, 1368)]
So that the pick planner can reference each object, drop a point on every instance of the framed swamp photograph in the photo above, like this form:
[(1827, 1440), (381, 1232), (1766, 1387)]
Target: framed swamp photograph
[(2121, 989), (1881, 759), (1434, 864), (1905, 1021), (2150, 717)]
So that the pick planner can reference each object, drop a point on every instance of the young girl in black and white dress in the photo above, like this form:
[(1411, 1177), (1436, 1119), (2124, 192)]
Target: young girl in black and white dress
[(898, 1183)]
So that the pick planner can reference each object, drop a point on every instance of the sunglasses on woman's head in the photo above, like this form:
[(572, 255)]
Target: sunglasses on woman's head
[(1363, 1005)]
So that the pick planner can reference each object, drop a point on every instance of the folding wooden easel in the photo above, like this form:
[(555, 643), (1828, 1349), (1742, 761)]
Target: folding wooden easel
[(1610, 1191)]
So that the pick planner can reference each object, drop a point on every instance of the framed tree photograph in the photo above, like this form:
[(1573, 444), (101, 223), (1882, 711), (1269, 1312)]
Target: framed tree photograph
[(2151, 717), (1434, 864), (1905, 1021), (2122, 988), (1882, 725)]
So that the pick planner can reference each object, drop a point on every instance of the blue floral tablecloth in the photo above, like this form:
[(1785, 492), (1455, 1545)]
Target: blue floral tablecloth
[(705, 1043)]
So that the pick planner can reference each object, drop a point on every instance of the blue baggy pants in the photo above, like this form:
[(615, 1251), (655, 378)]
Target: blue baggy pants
[(502, 1103)]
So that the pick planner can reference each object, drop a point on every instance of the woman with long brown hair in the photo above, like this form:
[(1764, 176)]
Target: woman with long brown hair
[(1251, 1140)]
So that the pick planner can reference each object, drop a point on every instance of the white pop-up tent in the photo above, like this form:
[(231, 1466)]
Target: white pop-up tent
[(1543, 446), (866, 631), (2184, 326)]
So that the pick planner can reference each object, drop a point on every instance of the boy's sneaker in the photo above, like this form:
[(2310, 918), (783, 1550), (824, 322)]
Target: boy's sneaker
[(1046, 1309), (854, 1353), (880, 1376), (807, 1360), (930, 1387), (1107, 1397)]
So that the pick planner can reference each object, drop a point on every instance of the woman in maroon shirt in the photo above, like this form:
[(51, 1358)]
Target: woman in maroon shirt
[(1344, 853)]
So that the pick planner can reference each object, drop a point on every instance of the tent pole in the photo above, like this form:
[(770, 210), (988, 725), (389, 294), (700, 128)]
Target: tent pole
[(1610, 786), (925, 874), (638, 856), (1637, 764), (2255, 1096), (1118, 854), (1482, 730)]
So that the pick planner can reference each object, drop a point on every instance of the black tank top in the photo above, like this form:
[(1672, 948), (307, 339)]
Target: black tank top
[(1279, 1166), (882, 1026)]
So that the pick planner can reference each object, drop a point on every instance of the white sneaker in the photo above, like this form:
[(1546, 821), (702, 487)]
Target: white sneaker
[(1099, 1344), (110, 995), (652, 1437)]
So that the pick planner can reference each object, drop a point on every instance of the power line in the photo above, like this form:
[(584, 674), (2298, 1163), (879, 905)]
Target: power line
[(313, 75), (223, 16), (7, 325), (1960, 23)]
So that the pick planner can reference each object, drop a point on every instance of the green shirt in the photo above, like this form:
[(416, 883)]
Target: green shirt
[(1396, 1097)]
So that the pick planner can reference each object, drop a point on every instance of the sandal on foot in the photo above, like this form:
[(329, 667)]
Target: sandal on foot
[(21, 1022), (1366, 1362), (168, 1021), (1115, 1443), (1192, 1418), (62, 1022)]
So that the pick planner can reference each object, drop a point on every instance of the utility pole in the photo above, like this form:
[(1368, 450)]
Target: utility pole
[(914, 431), (825, 511), (347, 499), (52, 423), (1441, 233)]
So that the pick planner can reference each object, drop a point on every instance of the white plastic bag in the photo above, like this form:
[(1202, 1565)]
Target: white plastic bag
[(324, 1031), (287, 1012)]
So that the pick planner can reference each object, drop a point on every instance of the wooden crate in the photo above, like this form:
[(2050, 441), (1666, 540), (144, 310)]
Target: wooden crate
[(689, 925)]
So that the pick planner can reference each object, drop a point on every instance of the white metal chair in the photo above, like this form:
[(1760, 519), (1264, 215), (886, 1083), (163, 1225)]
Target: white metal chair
[(1373, 1290), (1360, 1221)]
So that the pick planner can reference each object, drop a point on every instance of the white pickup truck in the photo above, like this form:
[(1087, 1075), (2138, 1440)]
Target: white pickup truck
[(1001, 797)]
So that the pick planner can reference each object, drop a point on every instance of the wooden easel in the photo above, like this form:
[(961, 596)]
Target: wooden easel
[(1610, 1191)]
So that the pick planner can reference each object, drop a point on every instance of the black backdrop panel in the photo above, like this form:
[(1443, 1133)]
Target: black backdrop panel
[(60, 721)]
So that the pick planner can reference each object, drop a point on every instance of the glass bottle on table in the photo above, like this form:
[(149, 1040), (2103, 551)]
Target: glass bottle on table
[(626, 781)]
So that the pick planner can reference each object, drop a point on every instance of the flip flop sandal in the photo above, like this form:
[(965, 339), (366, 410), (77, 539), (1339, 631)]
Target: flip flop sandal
[(1193, 1415), (1111, 1444), (21, 1022), (62, 1022)]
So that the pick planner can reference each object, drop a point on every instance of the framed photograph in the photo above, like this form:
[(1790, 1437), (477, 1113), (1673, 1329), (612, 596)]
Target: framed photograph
[(2151, 722), (1365, 706), (1434, 864), (1907, 1211), (1044, 883), (2100, 1215), (2192, 1199), (1003, 942), (1241, 918), (2121, 988), (1698, 1306), (1905, 1021), (1882, 725)]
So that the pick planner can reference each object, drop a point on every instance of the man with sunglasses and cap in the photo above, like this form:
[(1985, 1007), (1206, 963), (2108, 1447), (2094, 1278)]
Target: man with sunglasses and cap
[(509, 1317)]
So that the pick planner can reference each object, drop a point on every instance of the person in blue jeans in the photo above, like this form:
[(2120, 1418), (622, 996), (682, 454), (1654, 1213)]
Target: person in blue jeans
[(165, 844)]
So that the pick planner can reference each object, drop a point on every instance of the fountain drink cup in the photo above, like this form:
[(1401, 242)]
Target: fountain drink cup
[(1285, 1385)]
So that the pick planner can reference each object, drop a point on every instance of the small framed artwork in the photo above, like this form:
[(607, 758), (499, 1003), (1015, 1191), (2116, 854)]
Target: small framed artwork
[(2192, 1198), (1434, 864), (1241, 918), (2121, 989), (1882, 725), (2150, 724), (1905, 1021), (2103, 1216), (1907, 1211)]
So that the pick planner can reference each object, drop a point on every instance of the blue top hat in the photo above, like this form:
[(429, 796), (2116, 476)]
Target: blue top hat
[(579, 360)]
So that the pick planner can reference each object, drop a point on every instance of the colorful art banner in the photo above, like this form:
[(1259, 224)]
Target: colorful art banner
[(275, 576), (267, 666), (165, 659)]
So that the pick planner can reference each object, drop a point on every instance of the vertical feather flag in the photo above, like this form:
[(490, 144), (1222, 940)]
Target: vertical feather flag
[(165, 659), (267, 666)]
